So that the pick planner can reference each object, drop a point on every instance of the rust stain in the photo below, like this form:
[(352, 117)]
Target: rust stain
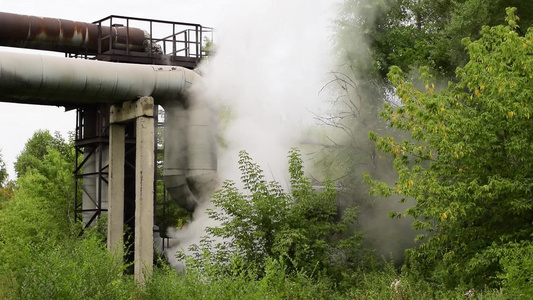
[(63, 35)]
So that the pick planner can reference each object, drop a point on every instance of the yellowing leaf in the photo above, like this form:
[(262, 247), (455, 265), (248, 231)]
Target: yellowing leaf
[(444, 216)]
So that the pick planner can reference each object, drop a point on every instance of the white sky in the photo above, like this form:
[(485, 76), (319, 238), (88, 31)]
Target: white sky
[(18, 122)]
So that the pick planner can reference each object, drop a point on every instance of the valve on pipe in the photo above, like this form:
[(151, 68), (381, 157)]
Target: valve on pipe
[(67, 36)]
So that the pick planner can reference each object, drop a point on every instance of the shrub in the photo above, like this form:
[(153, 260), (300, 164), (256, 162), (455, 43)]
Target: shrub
[(300, 227)]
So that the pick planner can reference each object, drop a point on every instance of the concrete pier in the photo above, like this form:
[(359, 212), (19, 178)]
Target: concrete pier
[(141, 112)]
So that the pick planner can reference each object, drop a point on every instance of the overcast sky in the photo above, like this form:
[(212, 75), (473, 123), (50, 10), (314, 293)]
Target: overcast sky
[(18, 122)]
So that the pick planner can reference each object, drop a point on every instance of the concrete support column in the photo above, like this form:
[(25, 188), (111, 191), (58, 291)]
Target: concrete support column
[(141, 111), (115, 215), (144, 198)]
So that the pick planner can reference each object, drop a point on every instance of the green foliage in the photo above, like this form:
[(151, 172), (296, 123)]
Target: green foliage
[(517, 273), (412, 33), (468, 161), (42, 257), (168, 212), (298, 227), (78, 268), (39, 210), (37, 147), (40, 253), (277, 283), (3, 171), (6, 186)]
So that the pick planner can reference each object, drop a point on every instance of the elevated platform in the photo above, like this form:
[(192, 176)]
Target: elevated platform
[(165, 42), (134, 57)]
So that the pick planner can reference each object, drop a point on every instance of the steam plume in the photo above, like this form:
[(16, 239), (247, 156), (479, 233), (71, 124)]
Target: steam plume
[(271, 61)]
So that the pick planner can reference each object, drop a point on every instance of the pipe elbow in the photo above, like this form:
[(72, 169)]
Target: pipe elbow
[(190, 147), (178, 189), (202, 184)]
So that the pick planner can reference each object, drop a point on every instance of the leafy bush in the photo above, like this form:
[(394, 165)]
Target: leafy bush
[(38, 214), (300, 227), (517, 274), (41, 256), (76, 269), (468, 162), (276, 283)]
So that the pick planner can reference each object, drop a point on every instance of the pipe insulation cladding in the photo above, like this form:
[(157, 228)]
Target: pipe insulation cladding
[(190, 160), (66, 36)]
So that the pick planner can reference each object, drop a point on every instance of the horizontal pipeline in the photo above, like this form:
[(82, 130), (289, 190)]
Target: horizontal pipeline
[(66, 36), (49, 80), (190, 136)]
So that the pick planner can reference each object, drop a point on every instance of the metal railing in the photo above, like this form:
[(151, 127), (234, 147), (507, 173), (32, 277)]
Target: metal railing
[(171, 39)]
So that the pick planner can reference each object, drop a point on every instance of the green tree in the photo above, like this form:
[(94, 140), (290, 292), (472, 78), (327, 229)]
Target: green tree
[(468, 161), (412, 33), (39, 211), (39, 214), (6, 186), (37, 147), (299, 227), (41, 252)]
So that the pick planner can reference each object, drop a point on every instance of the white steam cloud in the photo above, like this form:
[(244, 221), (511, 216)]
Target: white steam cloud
[(272, 58)]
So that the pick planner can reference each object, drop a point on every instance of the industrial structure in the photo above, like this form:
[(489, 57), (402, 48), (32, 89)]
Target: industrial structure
[(117, 73)]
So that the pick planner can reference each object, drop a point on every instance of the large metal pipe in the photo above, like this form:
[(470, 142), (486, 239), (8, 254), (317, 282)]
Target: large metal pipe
[(66, 36), (190, 143)]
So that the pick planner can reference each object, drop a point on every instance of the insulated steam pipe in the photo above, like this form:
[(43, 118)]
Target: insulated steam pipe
[(64, 35), (190, 143)]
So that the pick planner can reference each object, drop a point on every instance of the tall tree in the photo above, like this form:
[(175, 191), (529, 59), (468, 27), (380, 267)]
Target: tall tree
[(412, 33), (372, 36), (39, 215), (37, 147), (6, 186), (468, 161)]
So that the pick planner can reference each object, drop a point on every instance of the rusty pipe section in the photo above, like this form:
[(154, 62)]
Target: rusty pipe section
[(66, 36), (190, 136)]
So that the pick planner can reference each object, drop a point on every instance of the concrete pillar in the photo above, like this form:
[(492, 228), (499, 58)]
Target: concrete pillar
[(115, 213), (141, 111), (144, 198)]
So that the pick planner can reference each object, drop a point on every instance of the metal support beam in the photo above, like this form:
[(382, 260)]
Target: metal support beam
[(142, 112)]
